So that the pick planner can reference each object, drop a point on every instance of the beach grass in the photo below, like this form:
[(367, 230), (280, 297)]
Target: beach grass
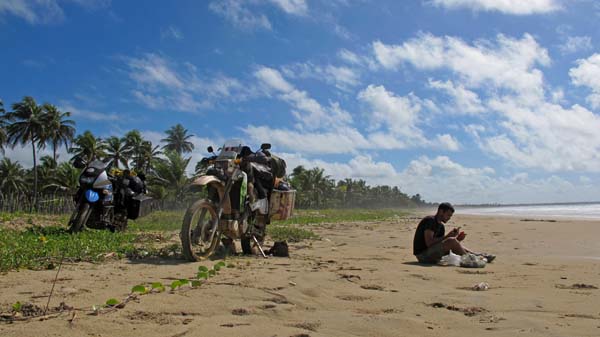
[(41, 241)]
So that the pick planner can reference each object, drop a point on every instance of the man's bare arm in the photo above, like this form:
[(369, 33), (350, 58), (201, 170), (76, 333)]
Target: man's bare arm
[(430, 240)]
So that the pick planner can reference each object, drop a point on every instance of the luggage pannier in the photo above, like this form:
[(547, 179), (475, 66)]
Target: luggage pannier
[(139, 206), (282, 204)]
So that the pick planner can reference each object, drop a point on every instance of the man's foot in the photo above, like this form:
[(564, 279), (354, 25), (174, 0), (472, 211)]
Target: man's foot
[(488, 257)]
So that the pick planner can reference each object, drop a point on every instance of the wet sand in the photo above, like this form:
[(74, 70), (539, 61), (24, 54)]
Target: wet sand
[(360, 279)]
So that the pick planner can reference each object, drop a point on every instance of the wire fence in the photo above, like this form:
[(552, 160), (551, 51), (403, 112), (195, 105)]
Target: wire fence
[(58, 204)]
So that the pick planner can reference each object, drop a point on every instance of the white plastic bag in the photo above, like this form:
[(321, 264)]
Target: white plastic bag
[(451, 260), (472, 261)]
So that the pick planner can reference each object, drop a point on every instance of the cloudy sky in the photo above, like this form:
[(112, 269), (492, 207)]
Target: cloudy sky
[(470, 101)]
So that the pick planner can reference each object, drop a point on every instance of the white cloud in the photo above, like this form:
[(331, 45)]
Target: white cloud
[(546, 136), (44, 11), (587, 73), (574, 44), (295, 7), (465, 101), (396, 113), (342, 77), (153, 70), (162, 84), (24, 154), (171, 32), (516, 7), (338, 140), (78, 113), (447, 142), (349, 57), (507, 64), (235, 12), (307, 110), (34, 12)]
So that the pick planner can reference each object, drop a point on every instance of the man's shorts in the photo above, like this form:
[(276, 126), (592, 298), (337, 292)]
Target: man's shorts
[(433, 254)]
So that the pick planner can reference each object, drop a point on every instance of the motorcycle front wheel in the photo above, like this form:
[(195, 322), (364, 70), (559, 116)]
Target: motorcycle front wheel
[(197, 239), (79, 218)]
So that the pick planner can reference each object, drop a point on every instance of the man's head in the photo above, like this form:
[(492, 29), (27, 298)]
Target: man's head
[(444, 212)]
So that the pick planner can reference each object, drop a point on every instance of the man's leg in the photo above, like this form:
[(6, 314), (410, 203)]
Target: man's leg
[(451, 244)]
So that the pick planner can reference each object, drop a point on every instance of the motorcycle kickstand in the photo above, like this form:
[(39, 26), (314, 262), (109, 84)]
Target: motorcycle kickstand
[(259, 246)]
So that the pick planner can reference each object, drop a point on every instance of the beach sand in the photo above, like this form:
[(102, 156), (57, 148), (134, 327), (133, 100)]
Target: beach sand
[(360, 279)]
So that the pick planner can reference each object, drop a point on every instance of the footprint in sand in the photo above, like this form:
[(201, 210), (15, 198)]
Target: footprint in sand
[(354, 298)]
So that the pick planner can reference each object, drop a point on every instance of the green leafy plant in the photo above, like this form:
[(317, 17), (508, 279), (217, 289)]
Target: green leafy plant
[(17, 306), (142, 289), (112, 302), (158, 287)]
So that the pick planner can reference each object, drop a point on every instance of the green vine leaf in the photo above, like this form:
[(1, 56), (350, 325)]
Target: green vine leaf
[(158, 287), (196, 283), (212, 272), (17, 306), (139, 289), (202, 274), (112, 302), (175, 285), (203, 268)]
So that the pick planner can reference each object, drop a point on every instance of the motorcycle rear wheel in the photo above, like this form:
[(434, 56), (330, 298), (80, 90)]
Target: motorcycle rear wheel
[(79, 218), (200, 219)]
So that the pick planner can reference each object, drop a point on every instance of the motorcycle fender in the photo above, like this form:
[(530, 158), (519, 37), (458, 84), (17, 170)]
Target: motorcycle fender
[(219, 185), (206, 180)]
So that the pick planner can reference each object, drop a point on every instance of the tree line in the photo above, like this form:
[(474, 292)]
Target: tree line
[(26, 123)]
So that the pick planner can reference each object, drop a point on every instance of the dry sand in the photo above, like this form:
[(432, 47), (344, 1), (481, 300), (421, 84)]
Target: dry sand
[(359, 280)]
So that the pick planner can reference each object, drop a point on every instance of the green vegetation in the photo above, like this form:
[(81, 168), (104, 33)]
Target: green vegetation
[(158, 221), (38, 247), (43, 247)]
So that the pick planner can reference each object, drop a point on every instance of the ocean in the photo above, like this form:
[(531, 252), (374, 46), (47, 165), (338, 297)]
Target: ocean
[(582, 211)]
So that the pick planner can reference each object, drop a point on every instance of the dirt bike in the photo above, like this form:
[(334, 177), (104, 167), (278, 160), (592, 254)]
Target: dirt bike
[(238, 187), (106, 201)]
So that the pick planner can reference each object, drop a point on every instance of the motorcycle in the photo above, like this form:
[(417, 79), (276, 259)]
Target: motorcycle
[(106, 201), (238, 184)]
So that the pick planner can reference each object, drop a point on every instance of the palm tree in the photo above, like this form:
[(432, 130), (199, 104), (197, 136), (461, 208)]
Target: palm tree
[(149, 156), (133, 142), (12, 177), (66, 179), (177, 140), (27, 127), (59, 130), (117, 150), (46, 170), (169, 174), (88, 147), (3, 136)]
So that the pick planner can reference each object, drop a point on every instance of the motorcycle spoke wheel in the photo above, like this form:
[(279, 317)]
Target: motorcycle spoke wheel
[(197, 238)]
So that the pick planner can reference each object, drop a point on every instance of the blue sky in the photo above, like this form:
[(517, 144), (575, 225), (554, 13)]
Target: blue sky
[(463, 100)]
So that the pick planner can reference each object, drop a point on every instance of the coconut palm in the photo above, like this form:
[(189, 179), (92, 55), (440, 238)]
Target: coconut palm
[(46, 170), (65, 179), (88, 147), (3, 136), (117, 150), (170, 175), (149, 156), (27, 126), (133, 142), (59, 130), (12, 177), (178, 140)]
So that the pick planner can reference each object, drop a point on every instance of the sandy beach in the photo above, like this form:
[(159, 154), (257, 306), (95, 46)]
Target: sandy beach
[(360, 279)]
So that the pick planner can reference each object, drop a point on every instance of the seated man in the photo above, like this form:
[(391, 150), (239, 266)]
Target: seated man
[(431, 243)]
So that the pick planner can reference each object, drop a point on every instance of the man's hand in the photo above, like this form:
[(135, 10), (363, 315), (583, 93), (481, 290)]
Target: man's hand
[(453, 233)]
